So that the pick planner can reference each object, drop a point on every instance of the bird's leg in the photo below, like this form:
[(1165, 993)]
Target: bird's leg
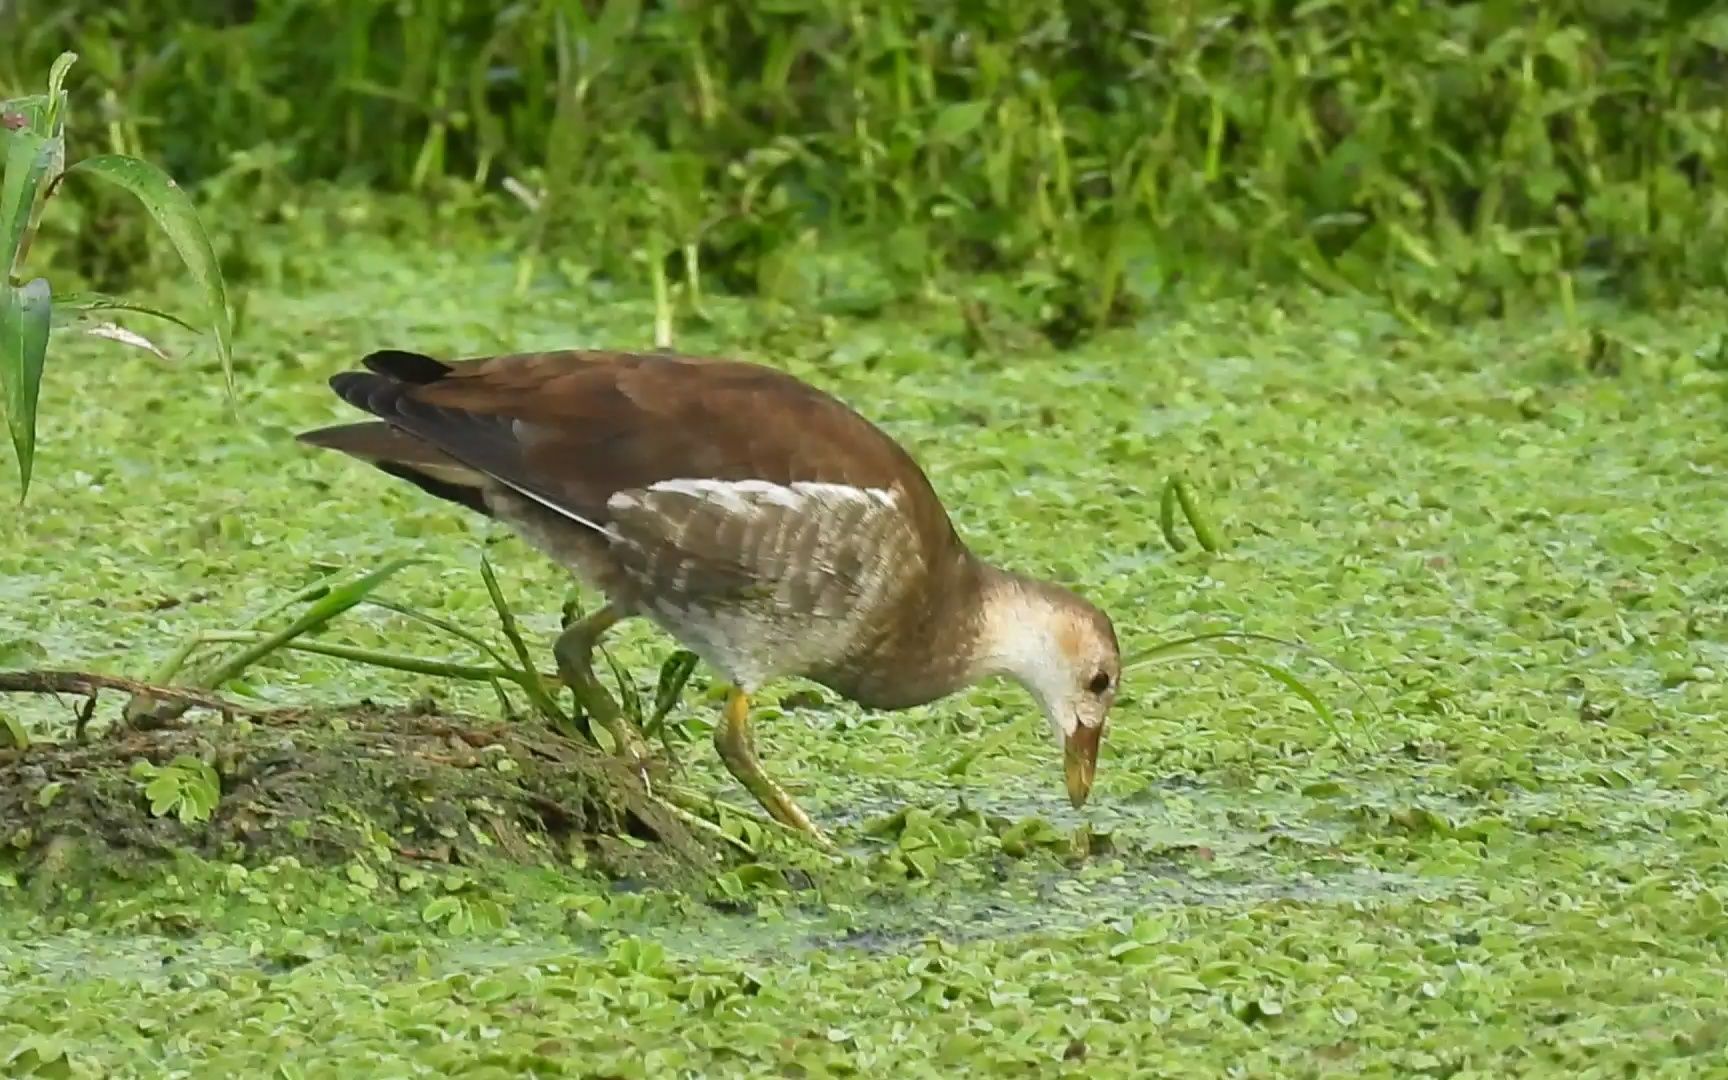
[(737, 749), (574, 652)]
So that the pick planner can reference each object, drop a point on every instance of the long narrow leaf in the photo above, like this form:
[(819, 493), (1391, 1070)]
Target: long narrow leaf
[(57, 91), (317, 590), (1167, 517), (674, 673), (1204, 533), (72, 305), (443, 625), (1179, 648), (531, 685), (1296, 686), (25, 315), (316, 615), (28, 159), (327, 604), (113, 332), (449, 669), (629, 698), (1282, 676), (174, 213), (32, 153), (169, 669), (1176, 644)]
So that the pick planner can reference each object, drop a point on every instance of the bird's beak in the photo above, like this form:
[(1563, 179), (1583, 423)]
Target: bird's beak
[(1080, 762)]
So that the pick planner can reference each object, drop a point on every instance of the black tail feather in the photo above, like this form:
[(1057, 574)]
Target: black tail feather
[(376, 394), (408, 367)]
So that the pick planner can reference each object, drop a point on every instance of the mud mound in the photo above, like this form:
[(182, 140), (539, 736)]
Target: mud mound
[(326, 787)]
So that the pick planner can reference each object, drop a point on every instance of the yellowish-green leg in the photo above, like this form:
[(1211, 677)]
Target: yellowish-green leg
[(737, 749), (574, 652)]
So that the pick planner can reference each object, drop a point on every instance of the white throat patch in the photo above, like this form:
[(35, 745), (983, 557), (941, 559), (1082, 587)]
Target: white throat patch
[(1019, 641)]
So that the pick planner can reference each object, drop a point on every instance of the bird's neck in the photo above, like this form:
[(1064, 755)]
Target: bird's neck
[(1016, 619), (970, 622)]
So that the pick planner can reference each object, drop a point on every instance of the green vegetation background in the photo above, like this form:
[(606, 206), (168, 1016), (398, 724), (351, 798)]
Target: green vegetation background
[(1512, 527), (1463, 158)]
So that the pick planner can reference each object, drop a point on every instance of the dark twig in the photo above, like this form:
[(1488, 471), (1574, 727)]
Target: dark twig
[(80, 731), (89, 683)]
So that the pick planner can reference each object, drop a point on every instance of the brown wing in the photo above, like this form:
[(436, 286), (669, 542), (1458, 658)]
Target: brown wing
[(572, 429)]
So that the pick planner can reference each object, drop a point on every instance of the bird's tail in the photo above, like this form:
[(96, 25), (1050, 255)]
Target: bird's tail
[(404, 456)]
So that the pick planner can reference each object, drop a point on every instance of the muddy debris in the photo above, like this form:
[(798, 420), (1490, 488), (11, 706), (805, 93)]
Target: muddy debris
[(327, 787)]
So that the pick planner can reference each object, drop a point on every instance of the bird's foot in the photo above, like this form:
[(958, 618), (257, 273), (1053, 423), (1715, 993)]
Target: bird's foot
[(737, 748), (791, 815), (574, 652), (783, 808)]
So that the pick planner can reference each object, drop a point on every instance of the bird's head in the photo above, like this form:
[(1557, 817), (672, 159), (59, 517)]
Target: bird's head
[(1063, 650)]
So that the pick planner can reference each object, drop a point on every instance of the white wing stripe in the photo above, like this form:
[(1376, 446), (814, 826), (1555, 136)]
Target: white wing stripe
[(562, 511), (747, 496)]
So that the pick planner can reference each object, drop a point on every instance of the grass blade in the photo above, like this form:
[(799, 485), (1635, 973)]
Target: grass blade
[(674, 674), (329, 602), (531, 684), (629, 699), (171, 664), (17, 735), (68, 306), (173, 211), (1281, 675), (1156, 652), (506, 711), (318, 590), (444, 626), (57, 89), (394, 661), (115, 332), (166, 672), (1204, 533), (25, 314), (1180, 648), (1167, 517), (979, 748), (327, 607), (1293, 684)]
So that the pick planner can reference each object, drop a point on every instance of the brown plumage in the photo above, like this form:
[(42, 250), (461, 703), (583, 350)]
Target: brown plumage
[(757, 519)]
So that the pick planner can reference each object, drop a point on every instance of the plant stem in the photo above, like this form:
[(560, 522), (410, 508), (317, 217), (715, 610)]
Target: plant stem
[(396, 661)]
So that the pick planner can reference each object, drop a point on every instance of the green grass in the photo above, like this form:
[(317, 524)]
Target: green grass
[(1512, 532), (1458, 157)]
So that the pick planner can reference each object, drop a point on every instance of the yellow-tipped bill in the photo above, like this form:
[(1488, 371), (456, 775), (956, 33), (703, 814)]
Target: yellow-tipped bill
[(1080, 762)]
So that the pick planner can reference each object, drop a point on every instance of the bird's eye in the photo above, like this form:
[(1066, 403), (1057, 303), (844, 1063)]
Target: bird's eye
[(1100, 683)]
